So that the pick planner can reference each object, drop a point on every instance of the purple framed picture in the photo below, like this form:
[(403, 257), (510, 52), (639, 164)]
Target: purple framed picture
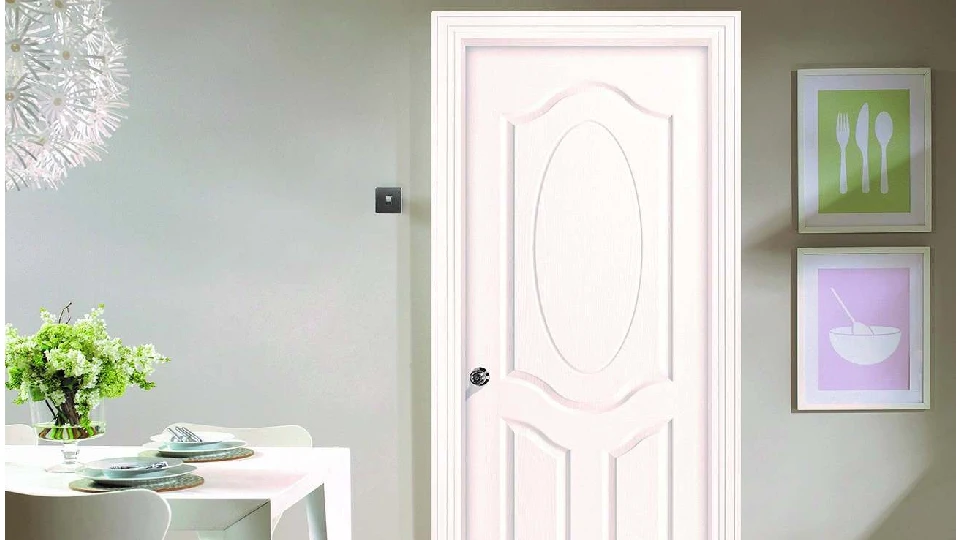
[(863, 328)]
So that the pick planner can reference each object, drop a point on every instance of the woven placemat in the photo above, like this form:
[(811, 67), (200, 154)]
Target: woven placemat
[(223, 455), (185, 481)]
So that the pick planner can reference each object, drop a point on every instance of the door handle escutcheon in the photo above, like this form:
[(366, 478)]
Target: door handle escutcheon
[(479, 376)]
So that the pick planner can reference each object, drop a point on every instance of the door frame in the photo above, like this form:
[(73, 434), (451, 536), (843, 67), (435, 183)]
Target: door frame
[(451, 33)]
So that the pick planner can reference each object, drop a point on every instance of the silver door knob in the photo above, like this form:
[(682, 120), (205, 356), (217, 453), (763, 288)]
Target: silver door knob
[(479, 376)]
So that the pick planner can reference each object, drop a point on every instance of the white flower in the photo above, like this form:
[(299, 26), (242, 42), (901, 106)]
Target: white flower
[(56, 396)]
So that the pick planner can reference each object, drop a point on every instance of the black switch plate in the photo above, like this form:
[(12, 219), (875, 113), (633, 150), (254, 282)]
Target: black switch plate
[(388, 200)]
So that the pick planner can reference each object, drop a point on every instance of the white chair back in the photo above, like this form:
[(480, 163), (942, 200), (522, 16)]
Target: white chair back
[(122, 515), (19, 434), (278, 436)]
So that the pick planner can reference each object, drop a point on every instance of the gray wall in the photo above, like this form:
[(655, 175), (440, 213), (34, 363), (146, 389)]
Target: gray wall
[(232, 225)]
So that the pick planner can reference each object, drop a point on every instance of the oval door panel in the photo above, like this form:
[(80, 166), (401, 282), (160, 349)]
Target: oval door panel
[(587, 247)]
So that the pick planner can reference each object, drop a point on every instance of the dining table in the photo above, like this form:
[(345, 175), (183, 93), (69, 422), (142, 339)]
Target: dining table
[(238, 500)]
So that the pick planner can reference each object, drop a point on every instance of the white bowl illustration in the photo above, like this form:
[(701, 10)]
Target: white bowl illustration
[(865, 349)]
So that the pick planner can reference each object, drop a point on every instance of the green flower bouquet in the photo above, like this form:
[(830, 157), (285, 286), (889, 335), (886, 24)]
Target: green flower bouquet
[(65, 370)]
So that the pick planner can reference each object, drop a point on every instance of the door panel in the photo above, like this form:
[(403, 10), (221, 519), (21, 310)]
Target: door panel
[(585, 284), (578, 268)]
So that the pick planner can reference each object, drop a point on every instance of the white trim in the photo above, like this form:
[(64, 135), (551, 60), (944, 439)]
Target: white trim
[(865, 71), (802, 402), (927, 225), (452, 32)]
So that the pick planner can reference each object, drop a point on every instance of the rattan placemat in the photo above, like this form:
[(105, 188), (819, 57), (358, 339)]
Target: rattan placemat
[(223, 455), (185, 481)]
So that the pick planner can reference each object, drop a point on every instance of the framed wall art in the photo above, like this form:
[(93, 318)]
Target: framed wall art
[(863, 150), (863, 328)]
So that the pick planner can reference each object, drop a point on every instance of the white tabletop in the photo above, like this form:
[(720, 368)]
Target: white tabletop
[(278, 477)]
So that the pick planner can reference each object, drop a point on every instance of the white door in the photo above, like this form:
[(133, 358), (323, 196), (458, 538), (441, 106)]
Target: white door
[(586, 292)]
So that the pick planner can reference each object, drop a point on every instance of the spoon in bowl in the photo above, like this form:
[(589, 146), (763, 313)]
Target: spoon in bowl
[(859, 329), (883, 128)]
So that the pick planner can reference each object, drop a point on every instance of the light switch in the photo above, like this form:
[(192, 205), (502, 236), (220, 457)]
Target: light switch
[(388, 200)]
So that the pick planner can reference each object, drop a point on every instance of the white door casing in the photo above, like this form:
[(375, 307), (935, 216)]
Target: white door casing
[(586, 254)]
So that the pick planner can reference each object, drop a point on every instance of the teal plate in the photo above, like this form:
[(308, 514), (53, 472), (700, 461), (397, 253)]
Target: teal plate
[(186, 481), (224, 455)]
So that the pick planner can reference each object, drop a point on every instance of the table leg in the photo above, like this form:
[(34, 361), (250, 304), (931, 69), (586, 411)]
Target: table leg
[(317, 514), (329, 506), (255, 526)]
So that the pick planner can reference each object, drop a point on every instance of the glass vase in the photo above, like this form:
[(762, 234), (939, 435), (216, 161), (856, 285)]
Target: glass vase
[(62, 424)]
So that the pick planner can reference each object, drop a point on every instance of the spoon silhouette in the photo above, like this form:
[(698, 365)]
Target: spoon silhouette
[(883, 128), (859, 329)]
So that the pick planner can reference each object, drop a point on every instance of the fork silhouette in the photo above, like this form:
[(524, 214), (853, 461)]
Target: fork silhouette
[(843, 137)]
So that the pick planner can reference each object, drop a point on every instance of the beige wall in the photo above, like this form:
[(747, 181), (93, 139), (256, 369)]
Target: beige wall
[(876, 476), (232, 225)]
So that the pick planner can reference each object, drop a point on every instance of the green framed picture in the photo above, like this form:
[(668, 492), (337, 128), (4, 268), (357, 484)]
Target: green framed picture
[(863, 150)]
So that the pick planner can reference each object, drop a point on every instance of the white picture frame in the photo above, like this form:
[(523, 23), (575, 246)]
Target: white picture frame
[(880, 361), (885, 111)]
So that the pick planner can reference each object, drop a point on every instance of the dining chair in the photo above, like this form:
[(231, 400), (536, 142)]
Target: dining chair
[(275, 436), (19, 434), (121, 515)]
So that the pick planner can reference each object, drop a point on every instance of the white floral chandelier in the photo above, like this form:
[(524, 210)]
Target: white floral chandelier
[(64, 68)]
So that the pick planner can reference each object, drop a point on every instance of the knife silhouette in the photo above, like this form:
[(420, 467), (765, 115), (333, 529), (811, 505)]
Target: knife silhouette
[(862, 135)]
